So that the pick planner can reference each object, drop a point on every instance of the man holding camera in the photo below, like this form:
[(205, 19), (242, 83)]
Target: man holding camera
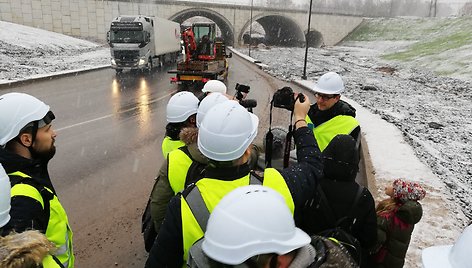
[(330, 115), (225, 137)]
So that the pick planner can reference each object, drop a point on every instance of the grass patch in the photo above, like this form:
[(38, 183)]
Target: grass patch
[(435, 46), (401, 29)]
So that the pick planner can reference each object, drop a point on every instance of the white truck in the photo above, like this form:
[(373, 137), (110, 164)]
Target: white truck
[(142, 42)]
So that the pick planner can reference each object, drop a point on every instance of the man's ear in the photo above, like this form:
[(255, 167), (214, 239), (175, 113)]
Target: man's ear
[(26, 139)]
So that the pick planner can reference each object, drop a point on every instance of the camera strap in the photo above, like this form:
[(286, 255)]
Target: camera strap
[(288, 142), (269, 139)]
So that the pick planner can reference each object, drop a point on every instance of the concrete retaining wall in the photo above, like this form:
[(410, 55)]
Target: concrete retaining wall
[(91, 18)]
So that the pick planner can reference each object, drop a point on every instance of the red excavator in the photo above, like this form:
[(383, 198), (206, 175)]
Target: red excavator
[(205, 56)]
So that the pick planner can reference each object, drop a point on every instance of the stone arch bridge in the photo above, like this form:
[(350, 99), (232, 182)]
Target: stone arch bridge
[(91, 19)]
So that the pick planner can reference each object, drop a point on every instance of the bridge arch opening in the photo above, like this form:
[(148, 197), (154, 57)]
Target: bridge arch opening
[(315, 38), (278, 30), (227, 32)]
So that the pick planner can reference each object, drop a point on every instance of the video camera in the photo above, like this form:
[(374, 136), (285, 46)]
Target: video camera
[(240, 89), (246, 103), (283, 98)]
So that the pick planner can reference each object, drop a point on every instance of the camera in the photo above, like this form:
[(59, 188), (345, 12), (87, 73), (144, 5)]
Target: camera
[(240, 89), (283, 98), (246, 103)]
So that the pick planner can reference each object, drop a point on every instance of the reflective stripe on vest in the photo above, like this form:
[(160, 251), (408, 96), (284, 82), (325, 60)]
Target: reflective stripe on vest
[(179, 164), (212, 191), (58, 230), (50, 262), (324, 133), (168, 145)]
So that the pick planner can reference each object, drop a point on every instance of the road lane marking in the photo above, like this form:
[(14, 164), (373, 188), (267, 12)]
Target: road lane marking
[(110, 115)]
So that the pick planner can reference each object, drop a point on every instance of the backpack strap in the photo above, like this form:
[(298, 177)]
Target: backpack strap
[(328, 211), (194, 173), (196, 169), (255, 179), (351, 216), (321, 251), (198, 207)]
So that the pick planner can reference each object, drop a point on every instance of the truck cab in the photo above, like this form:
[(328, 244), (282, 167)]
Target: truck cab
[(143, 42), (131, 42)]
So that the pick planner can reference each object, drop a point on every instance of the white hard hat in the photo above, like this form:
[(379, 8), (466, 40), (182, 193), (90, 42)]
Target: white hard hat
[(450, 256), (16, 111), (249, 221), (329, 83), (214, 86), (208, 102), (226, 131), (180, 106), (4, 197)]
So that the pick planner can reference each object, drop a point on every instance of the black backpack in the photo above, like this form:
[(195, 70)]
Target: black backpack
[(342, 231)]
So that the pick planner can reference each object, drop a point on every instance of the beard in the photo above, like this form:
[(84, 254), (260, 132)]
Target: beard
[(43, 155)]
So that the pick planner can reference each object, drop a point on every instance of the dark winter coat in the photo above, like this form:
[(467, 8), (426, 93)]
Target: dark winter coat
[(26, 213), (340, 108), (340, 195), (341, 161), (162, 191), (320, 253), (300, 179), (394, 234)]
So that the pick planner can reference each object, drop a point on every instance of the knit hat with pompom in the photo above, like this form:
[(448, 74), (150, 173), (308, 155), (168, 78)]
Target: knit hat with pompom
[(404, 190)]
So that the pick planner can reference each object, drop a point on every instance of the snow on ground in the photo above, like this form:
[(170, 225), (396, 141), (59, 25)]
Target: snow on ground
[(416, 124), (27, 52)]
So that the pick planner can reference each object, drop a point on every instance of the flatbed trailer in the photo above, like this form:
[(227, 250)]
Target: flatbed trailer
[(208, 71)]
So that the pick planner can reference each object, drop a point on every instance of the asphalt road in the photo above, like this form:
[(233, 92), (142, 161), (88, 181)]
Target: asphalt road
[(108, 151)]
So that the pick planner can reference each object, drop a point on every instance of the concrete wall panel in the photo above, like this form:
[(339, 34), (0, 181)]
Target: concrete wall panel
[(91, 18)]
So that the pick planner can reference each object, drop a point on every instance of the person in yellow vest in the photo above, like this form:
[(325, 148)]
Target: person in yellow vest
[(183, 165), (225, 137), (29, 249), (252, 227), (27, 144), (330, 115), (180, 112)]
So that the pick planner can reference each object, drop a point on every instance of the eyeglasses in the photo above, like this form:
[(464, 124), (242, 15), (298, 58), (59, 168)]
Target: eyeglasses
[(324, 96)]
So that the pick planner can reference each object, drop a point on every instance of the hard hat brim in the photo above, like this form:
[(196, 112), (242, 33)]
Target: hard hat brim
[(324, 91), (235, 256), (436, 257)]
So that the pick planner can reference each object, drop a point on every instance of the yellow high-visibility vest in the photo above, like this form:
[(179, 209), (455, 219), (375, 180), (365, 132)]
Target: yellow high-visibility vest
[(324, 133), (213, 190), (58, 230), (179, 164), (168, 145)]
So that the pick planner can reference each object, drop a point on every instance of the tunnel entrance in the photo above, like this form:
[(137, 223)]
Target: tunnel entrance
[(273, 30), (315, 39)]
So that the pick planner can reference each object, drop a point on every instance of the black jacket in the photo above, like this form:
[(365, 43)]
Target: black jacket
[(341, 162), (26, 213), (167, 250), (340, 195)]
